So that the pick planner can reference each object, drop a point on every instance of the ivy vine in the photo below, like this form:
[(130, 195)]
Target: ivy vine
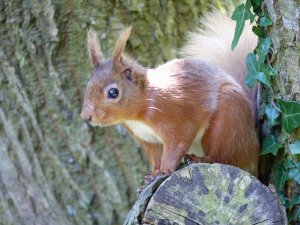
[(282, 115)]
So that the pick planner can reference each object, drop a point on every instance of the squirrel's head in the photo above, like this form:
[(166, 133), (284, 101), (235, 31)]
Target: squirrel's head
[(116, 88)]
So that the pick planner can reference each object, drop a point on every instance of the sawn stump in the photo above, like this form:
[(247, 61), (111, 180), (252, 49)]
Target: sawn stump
[(207, 194)]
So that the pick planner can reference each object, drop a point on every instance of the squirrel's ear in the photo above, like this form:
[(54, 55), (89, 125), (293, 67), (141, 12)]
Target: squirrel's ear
[(94, 49), (120, 45), (137, 78)]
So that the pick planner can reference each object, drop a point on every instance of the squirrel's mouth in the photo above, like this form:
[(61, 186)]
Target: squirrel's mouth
[(99, 124)]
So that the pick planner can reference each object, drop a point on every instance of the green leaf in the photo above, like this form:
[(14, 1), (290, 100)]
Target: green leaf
[(295, 148), (254, 72), (265, 20), (263, 78), (269, 70), (282, 199), (289, 164), (263, 48), (294, 201), (270, 145), (280, 178), (252, 66), (258, 31), (294, 174), (272, 114), (265, 44), (290, 115), (256, 5), (296, 214), (240, 15), (250, 81)]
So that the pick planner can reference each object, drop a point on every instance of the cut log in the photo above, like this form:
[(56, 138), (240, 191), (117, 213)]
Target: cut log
[(207, 194)]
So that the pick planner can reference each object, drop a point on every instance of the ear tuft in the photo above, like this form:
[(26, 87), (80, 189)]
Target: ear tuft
[(120, 45), (94, 49)]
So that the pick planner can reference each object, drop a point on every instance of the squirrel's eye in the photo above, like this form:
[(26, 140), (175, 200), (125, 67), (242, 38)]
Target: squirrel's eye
[(113, 93)]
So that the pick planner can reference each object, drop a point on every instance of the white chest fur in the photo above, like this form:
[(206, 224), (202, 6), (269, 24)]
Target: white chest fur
[(146, 133), (143, 132)]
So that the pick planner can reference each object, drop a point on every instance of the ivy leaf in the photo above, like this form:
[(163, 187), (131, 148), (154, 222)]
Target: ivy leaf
[(294, 201), (258, 31), (295, 148), (282, 199), (252, 66), (290, 115), (263, 78), (265, 45), (294, 174), (265, 20), (270, 145), (256, 5), (289, 163), (263, 48), (250, 81), (280, 179), (254, 72), (240, 15), (272, 114), (269, 70), (296, 214)]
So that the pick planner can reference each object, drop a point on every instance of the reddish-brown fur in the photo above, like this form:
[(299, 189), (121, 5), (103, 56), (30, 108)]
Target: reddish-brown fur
[(166, 107)]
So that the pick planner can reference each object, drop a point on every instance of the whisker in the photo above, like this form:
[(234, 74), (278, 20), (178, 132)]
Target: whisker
[(151, 107), (89, 125), (105, 130)]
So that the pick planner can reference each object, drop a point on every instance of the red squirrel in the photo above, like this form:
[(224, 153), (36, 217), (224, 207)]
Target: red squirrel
[(198, 101)]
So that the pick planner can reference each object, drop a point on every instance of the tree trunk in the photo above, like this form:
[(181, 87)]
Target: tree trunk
[(55, 169), (285, 35)]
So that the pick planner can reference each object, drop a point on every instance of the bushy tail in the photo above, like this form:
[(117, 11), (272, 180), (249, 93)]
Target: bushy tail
[(212, 43)]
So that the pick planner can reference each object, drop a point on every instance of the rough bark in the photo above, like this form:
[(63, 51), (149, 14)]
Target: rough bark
[(208, 194), (285, 35), (54, 169)]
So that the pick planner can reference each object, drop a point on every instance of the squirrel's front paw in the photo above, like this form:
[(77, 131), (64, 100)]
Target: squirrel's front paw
[(191, 158)]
